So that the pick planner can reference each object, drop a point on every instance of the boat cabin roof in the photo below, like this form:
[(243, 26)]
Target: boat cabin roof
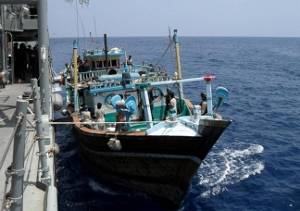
[(97, 54)]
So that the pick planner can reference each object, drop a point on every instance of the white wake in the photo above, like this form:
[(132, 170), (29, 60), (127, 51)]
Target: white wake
[(228, 167), (96, 186)]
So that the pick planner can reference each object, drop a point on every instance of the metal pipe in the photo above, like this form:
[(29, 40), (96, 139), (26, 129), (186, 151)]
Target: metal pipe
[(43, 39), (126, 62), (159, 83), (106, 51), (17, 170), (209, 98), (147, 109), (12, 58), (94, 89), (39, 128), (178, 63), (3, 47), (4, 51)]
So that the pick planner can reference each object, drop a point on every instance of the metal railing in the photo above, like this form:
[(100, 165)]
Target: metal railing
[(14, 201), (45, 179), (19, 118), (84, 76)]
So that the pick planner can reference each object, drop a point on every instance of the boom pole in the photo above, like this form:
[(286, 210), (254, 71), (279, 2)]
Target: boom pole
[(178, 63)]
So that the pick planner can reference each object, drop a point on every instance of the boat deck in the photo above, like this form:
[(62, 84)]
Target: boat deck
[(33, 198)]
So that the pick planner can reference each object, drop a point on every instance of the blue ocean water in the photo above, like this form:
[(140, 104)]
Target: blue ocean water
[(256, 163)]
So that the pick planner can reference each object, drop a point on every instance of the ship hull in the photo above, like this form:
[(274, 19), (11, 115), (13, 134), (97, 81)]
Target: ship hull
[(161, 166)]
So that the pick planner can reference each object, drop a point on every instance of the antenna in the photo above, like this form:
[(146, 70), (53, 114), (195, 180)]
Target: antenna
[(84, 2), (170, 36), (95, 28), (80, 1)]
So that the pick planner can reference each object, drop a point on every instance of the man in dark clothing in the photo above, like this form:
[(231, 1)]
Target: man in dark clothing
[(203, 103)]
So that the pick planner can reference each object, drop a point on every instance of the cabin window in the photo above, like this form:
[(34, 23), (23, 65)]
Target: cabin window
[(114, 63), (104, 63), (99, 64)]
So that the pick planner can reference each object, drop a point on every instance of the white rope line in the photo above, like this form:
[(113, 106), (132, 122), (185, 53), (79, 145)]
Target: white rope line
[(29, 110), (131, 122)]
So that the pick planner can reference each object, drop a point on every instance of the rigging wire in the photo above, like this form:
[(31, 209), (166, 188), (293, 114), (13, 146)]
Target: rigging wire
[(77, 22), (169, 47), (83, 31), (94, 39), (172, 53), (164, 53)]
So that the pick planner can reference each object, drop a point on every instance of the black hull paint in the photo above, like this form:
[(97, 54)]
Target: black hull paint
[(161, 166)]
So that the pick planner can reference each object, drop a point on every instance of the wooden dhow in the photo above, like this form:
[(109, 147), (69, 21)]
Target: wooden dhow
[(141, 140)]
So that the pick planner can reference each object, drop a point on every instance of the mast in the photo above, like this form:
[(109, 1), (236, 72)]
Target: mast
[(178, 63), (75, 68)]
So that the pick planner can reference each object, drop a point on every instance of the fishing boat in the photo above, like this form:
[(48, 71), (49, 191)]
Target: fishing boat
[(142, 139)]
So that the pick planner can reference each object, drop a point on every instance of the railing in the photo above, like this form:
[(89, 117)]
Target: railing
[(108, 126), (121, 84), (45, 179), (19, 118), (84, 76), (16, 171)]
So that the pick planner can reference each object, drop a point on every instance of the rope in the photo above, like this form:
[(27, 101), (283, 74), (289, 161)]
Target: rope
[(30, 123), (20, 117), (10, 200), (84, 123), (164, 53), (166, 50), (19, 172), (96, 123), (29, 110)]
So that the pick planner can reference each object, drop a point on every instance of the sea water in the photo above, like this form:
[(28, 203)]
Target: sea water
[(255, 165)]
